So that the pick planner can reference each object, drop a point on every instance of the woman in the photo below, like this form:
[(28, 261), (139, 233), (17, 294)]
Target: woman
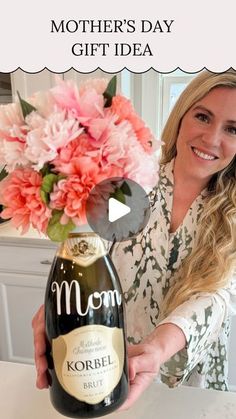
[(178, 277)]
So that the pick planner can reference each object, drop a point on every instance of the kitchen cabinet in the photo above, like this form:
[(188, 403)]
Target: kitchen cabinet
[(24, 268)]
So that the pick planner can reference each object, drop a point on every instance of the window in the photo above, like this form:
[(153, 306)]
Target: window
[(172, 85), (154, 94)]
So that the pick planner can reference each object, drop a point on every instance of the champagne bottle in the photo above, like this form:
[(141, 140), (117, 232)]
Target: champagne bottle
[(85, 330)]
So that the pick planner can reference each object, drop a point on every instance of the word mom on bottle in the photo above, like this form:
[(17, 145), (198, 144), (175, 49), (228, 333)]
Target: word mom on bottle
[(95, 300)]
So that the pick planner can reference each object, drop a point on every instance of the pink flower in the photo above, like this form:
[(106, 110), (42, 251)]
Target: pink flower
[(99, 85), (72, 193), (70, 159), (46, 136), (100, 128), (20, 195), (13, 131), (12, 154), (71, 133), (44, 102), (125, 157), (124, 110), (11, 121), (121, 107), (84, 105)]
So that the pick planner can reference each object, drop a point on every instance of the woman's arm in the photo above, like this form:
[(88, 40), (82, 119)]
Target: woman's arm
[(169, 339), (204, 321)]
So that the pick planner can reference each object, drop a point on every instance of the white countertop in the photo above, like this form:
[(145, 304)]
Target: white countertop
[(19, 399)]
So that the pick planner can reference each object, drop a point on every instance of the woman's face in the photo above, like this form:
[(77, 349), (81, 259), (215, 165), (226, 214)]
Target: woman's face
[(206, 141)]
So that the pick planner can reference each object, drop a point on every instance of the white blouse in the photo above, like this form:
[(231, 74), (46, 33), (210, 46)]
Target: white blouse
[(146, 266)]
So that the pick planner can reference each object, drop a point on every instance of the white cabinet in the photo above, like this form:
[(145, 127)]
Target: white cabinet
[(24, 268)]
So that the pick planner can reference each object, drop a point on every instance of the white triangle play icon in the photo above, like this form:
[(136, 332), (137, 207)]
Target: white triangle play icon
[(116, 210)]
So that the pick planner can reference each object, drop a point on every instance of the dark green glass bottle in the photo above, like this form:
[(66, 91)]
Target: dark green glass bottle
[(85, 328)]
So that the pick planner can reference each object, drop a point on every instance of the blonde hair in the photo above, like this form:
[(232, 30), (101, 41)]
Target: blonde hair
[(213, 258)]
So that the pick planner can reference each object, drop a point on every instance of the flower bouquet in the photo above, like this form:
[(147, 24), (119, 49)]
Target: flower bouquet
[(56, 146)]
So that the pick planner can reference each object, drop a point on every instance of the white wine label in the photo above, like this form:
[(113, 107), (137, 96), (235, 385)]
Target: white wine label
[(89, 361)]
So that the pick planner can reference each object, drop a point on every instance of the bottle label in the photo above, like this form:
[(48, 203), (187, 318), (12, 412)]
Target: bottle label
[(89, 361), (83, 248)]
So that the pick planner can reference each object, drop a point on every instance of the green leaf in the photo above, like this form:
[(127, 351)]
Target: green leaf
[(110, 91), (48, 182), (44, 196), (3, 174), (126, 189), (47, 186), (56, 231), (45, 169), (26, 107), (118, 195)]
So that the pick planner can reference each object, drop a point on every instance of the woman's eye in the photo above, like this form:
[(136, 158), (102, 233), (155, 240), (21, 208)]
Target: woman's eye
[(202, 117), (231, 130)]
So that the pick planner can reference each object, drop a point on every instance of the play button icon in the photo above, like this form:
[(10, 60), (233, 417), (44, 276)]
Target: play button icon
[(117, 209)]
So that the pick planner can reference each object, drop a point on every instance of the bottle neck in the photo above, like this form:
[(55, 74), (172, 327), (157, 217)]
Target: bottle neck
[(85, 228), (83, 247)]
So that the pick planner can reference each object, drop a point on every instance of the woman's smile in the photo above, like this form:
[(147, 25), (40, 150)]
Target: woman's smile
[(204, 155)]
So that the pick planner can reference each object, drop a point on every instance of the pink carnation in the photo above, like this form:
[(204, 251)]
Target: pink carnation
[(12, 125), (48, 135), (84, 105), (69, 159), (20, 195), (71, 195), (124, 110), (99, 85), (105, 156), (44, 102), (73, 134), (121, 107), (12, 154), (13, 132), (125, 157)]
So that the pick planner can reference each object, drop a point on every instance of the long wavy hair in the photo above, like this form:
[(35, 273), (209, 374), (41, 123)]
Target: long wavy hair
[(212, 261)]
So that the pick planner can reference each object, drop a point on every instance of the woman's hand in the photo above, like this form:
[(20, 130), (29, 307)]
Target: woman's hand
[(41, 364), (145, 359), (144, 364)]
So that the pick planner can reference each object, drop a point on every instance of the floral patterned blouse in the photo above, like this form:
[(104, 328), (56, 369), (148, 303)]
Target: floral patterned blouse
[(146, 266)]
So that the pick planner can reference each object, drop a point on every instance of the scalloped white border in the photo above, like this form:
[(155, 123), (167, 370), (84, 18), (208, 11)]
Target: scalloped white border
[(202, 36)]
